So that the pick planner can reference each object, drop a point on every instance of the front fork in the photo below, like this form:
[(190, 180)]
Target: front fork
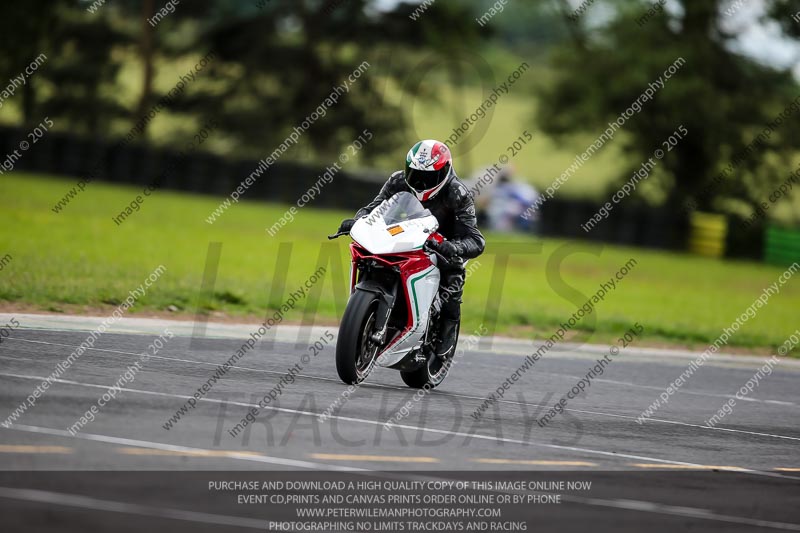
[(385, 306), (386, 301)]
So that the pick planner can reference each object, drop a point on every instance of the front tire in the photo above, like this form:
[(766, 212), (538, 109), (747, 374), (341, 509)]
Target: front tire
[(356, 353)]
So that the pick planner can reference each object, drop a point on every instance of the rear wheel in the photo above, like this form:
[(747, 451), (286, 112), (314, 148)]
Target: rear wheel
[(355, 351), (431, 374)]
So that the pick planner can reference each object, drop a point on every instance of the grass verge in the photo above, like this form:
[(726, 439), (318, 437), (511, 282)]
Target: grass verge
[(80, 258)]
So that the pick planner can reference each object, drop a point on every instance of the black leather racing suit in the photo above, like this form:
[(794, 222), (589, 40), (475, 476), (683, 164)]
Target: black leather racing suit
[(455, 211)]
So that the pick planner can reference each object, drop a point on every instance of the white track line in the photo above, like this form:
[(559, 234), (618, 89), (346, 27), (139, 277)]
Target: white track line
[(688, 512), (86, 502), (450, 394), (245, 456), (662, 389), (379, 423)]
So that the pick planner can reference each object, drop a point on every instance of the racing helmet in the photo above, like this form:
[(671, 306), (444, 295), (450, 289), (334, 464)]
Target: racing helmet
[(429, 166)]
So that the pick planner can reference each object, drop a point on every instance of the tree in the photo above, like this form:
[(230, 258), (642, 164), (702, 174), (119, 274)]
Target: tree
[(147, 53), (275, 66), (786, 13), (23, 38), (723, 98), (83, 71)]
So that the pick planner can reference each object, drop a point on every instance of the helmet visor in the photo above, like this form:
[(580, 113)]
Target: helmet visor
[(423, 180)]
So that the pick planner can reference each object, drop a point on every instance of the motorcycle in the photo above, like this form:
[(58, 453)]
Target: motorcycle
[(392, 317)]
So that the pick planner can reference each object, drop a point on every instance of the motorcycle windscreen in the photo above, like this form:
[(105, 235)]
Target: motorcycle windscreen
[(401, 207), (398, 224)]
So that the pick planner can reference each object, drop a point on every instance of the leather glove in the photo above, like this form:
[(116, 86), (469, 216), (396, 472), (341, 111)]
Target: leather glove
[(346, 225), (448, 249)]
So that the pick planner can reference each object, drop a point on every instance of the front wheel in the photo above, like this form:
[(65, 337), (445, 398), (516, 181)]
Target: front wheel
[(355, 351)]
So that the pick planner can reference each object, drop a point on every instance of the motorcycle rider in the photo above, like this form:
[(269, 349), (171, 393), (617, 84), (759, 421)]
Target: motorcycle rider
[(430, 176)]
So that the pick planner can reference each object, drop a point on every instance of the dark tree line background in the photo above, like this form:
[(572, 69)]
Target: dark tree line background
[(272, 66), (724, 99), (276, 60)]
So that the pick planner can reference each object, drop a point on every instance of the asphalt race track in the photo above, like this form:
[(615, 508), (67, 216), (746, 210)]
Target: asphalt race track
[(673, 471)]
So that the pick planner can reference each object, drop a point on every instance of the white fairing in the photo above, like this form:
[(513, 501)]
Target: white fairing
[(374, 235), (423, 288), (381, 233)]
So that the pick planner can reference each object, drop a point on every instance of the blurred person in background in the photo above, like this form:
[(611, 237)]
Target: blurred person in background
[(501, 201)]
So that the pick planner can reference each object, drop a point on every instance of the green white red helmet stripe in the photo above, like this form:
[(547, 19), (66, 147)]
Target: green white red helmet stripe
[(428, 155)]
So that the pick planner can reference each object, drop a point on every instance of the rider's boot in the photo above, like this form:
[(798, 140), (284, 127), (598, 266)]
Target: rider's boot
[(452, 287), (445, 346)]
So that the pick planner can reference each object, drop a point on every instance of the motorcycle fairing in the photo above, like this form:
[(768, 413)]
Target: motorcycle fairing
[(420, 285), (420, 280), (398, 243)]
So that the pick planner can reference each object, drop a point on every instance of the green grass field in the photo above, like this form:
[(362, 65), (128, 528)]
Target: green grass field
[(80, 260)]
